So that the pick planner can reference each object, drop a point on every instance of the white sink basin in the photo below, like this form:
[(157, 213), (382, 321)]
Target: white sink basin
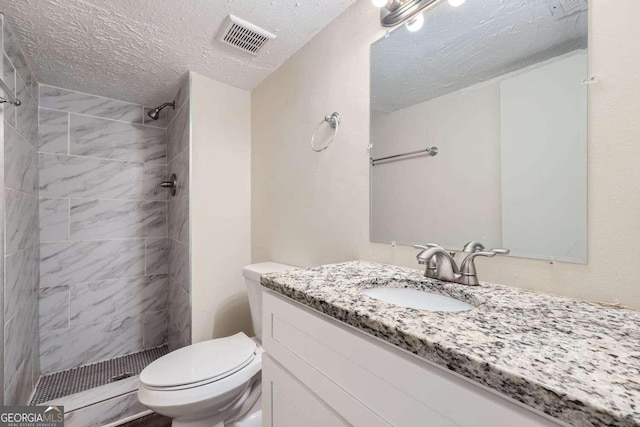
[(414, 298)]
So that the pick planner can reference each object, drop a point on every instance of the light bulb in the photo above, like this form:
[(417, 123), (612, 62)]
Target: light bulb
[(415, 23), (379, 3), (456, 3)]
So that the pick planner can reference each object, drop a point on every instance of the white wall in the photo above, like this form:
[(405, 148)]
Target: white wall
[(310, 208), (465, 126), (220, 208)]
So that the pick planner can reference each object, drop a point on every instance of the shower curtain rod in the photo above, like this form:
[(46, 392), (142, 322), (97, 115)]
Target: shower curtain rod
[(9, 94)]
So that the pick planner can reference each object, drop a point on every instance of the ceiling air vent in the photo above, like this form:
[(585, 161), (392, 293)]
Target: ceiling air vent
[(244, 35)]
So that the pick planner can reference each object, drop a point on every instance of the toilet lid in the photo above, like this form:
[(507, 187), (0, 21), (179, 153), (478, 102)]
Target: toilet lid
[(205, 361)]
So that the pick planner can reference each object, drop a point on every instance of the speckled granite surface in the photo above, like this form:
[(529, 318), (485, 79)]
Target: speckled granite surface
[(576, 361)]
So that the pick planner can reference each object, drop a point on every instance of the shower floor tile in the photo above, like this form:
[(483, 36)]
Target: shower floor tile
[(65, 383), (153, 420)]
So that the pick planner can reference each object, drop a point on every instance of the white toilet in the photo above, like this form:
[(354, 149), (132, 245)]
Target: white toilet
[(215, 382)]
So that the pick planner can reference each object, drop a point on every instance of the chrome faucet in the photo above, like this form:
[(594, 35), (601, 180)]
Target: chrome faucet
[(439, 262), (441, 265)]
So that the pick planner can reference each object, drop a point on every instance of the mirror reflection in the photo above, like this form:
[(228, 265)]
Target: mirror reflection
[(479, 129)]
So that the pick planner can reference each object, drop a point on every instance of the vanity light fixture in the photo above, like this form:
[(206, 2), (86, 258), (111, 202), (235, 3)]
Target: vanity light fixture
[(396, 12)]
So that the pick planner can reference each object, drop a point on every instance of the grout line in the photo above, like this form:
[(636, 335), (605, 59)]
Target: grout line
[(16, 190), (99, 198), (98, 240), (117, 239), (109, 119), (90, 94), (69, 216), (103, 118), (102, 158)]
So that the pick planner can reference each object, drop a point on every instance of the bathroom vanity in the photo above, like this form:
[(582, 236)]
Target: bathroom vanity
[(335, 356)]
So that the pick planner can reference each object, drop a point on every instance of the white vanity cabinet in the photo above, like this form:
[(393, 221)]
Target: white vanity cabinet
[(320, 372)]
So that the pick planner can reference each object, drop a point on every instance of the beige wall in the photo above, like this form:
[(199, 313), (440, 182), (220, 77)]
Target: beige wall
[(220, 208), (310, 209)]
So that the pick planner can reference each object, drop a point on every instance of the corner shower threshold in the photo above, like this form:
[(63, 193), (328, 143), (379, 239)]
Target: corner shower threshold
[(121, 374)]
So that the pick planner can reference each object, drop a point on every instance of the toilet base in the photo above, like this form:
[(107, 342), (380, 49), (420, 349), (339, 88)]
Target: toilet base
[(250, 418), (199, 423)]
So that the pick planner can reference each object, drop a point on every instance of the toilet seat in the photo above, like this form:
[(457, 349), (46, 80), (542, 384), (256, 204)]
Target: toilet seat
[(200, 364), (204, 399)]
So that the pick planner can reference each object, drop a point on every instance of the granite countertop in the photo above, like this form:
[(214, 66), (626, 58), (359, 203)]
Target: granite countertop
[(574, 360)]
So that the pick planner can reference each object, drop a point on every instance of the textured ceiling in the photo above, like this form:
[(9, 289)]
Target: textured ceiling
[(138, 50), (459, 47)]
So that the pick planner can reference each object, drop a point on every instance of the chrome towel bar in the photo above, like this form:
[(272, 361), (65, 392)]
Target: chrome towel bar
[(431, 151)]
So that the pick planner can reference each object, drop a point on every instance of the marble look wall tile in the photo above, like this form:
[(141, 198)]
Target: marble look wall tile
[(14, 53), (178, 217), (65, 263), (81, 177), (153, 175), (180, 310), (54, 219), (157, 256), (19, 337), (163, 118), (155, 329), (18, 390), (54, 308), (178, 133), (179, 263), (22, 90), (173, 336), (107, 412), (21, 281), (113, 299), (21, 162), (117, 219), (27, 119), (175, 339), (9, 77), (116, 140), (181, 97), (54, 131), (21, 225), (62, 349), (180, 166), (35, 91), (82, 103)]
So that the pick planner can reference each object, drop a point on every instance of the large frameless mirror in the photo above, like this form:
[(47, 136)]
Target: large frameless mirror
[(479, 129)]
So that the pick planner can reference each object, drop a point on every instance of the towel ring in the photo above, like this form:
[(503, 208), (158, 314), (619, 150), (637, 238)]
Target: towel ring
[(334, 122)]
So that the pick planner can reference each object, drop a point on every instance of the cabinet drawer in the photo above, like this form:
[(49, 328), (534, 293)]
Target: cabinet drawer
[(400, 389), (291, 404)]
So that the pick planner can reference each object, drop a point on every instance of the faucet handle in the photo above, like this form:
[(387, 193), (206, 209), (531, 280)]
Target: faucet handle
[(427, 246), (500, 251), (468, 274), (471, 247)]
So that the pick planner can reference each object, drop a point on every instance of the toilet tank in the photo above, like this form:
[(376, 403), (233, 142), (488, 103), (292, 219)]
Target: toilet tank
[(252, 275)]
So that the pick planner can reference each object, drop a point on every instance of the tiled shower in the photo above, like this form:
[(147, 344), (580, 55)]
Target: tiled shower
[(21, 266), (96, 265), (103, 233)]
